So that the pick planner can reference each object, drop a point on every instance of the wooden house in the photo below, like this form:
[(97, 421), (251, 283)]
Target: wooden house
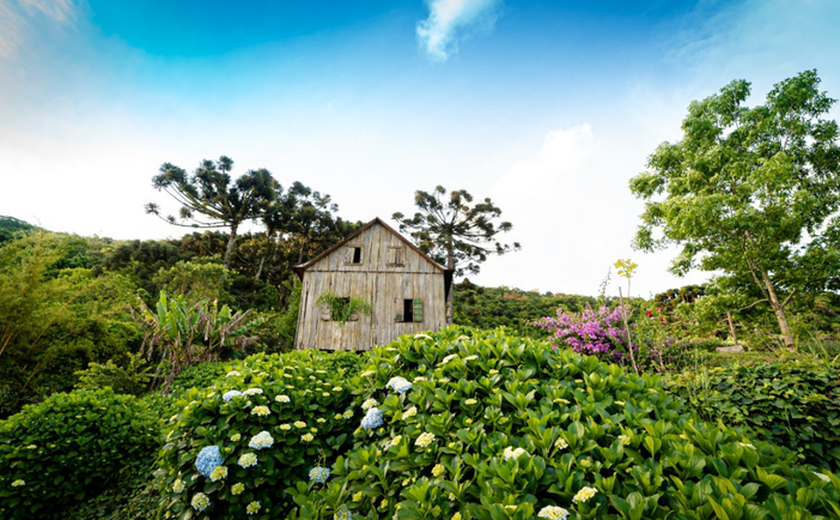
[(407, 290)]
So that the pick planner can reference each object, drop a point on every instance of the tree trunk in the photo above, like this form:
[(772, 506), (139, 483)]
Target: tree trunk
[(231, 241), (731, 327), (779, 310), (450, 298)]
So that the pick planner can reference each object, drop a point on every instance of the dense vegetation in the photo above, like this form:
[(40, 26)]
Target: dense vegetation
[(459, 424)]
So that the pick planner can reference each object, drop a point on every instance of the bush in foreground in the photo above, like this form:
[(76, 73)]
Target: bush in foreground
[(259, 429), (794, 404), (479, 425), (66, 449)]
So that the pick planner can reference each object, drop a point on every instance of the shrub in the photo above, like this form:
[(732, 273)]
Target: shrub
[(132, 378), (481, 425), (65, 449), (794, 404), (257, 431), (604, 334), (181, 334)]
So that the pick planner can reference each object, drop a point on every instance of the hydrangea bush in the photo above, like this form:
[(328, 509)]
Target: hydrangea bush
[(68, 447), (495, 427), (269, 422)]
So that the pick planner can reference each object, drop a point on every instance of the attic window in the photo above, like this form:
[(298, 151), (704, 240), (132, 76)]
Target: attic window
[(396, 256), (353, 255), (412, 311)]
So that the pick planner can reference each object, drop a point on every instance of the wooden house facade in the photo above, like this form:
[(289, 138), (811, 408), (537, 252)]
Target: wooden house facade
[(406, 289)]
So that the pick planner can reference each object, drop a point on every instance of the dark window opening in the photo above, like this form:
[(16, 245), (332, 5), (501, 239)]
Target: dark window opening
[(357, 255), (412, 311), (408, 311)]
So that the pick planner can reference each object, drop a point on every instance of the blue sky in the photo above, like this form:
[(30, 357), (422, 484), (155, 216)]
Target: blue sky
[(547, 107)]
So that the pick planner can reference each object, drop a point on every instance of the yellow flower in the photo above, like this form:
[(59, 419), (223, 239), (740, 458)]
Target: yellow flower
[(456, 516), (425, 439), (438, 470), (358, 497), (218, 473), (300, 424), (237, 488), (584, 494), (306, 437), (260, 411), (624, 440), (285, 427)]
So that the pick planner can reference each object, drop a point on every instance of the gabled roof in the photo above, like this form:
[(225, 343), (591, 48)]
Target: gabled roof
[(299, 269)]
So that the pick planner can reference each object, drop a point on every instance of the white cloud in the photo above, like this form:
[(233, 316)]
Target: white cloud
[(574, 216), (16, 16), (450, 20)]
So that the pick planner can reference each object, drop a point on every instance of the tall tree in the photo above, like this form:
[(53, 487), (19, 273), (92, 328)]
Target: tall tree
[(455, 232), (302, 223), (752, 193), (209, 192)]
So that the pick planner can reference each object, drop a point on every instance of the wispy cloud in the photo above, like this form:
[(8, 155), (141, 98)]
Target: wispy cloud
[(451, 20), (17, 15)]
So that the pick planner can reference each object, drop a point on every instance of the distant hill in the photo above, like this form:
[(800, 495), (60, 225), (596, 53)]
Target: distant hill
[(11, 226)]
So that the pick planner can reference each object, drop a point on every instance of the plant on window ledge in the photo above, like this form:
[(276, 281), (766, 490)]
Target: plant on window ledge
[(343, 309)]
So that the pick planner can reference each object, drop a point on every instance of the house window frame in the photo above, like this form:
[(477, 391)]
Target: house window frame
[(395, 256), (353, 255), (410, 310)]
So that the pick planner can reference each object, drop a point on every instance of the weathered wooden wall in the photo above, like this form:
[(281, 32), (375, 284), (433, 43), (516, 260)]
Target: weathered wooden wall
[(382, 284)]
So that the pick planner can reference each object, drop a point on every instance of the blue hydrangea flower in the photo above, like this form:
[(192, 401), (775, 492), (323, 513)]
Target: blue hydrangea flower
[(373, 419), (342, 513), (227, 396), (319, 474), (399, 384), (208, 458)]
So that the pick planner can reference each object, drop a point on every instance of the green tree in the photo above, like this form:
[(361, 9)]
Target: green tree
[(752, 193), (53, 319), (209, 192), (455, 232)]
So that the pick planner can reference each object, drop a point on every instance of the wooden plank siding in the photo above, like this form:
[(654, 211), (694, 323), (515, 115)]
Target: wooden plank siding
[(389, 271)]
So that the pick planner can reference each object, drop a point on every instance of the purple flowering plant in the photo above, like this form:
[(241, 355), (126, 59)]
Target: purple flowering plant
[(601, 332)]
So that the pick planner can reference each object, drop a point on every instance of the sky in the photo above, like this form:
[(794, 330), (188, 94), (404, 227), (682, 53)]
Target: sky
[(548, 107)]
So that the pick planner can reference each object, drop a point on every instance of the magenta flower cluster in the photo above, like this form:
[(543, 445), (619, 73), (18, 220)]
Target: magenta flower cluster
[(595, 332)]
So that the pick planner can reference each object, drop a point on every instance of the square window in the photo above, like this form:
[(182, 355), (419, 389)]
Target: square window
[(395, 256), (353, 255)]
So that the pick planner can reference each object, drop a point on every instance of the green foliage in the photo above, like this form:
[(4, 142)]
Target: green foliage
[(752, 193), (343, 309), (196, 281), (11, 228), (496, 427), (514, 309), (454, 231), (794, 404), (55, 320), (209, 194), (298, 398), (180, 334), (65, 449), (132, 378), (130, 498)]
